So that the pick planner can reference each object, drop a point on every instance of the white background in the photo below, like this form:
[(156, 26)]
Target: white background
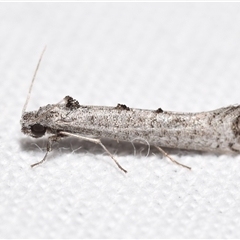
[(177, 56)]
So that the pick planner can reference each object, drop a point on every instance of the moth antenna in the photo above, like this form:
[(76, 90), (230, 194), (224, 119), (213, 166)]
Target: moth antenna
[(34, 76)]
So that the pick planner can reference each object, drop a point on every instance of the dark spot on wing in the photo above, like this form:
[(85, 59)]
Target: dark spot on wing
[(72, 103), (122, 107), (159, 110)]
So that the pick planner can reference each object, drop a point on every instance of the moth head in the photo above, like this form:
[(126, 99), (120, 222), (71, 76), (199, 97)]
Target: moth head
[(31, 127)]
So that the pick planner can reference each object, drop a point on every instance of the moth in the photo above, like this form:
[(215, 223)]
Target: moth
[(215, 131)]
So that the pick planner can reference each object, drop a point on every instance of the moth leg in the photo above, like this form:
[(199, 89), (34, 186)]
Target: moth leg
[(97, 141), (165, 154), (51, 139)]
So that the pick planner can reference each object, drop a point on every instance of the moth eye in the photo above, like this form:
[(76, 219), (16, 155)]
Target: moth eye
[(38, 130)]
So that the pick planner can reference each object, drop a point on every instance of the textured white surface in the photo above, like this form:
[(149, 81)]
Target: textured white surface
[(177, 56)]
